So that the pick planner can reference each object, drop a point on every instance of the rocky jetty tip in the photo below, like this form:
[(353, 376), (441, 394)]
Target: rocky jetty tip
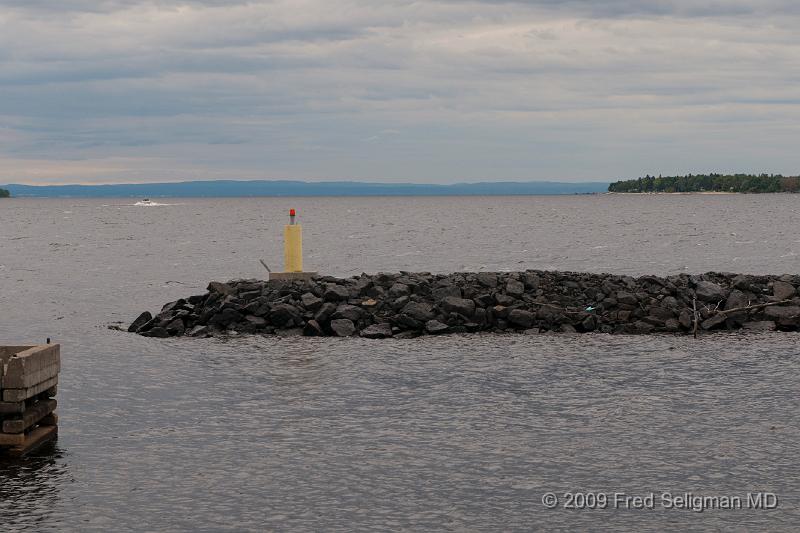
[(410, 304)]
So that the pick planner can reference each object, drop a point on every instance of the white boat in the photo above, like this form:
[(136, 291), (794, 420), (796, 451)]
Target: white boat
[(146, 202)]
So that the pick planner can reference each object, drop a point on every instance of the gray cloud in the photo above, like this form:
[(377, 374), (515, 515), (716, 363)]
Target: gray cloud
[(395, 89)]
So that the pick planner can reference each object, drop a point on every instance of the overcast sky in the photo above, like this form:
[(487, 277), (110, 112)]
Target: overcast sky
[(392, 90)]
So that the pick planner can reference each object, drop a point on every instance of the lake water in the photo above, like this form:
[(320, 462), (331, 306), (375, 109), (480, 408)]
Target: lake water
[(446, 433)]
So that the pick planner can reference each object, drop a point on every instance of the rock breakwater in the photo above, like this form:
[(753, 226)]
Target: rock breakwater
[(408, 304)]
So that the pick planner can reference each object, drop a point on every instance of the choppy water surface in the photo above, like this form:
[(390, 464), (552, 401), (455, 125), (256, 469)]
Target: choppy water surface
[(453, 433)]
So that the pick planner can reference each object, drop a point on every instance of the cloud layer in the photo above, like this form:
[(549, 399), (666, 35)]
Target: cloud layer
[(435, 91)]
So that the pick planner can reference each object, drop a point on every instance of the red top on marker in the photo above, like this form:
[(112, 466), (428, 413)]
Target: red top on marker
[(291, 212)]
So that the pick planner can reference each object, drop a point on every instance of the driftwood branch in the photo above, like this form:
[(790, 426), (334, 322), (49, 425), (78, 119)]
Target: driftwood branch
[(696, 321), (757, 306)]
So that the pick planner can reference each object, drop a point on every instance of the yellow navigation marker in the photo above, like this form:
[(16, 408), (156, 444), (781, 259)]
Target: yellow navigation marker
[(292, 245), (292, 253)]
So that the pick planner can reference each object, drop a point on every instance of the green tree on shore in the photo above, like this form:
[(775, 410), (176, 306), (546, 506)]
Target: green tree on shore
[(4, 193), (745, 183)]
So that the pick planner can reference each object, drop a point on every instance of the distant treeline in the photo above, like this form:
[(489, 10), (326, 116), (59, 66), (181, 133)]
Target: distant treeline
[(4, 193), (710, 183)]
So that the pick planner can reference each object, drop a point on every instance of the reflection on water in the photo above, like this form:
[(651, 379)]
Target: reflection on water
[(460, 432)]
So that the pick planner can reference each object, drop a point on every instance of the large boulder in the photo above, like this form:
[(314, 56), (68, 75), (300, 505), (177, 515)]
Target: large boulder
[(377, 331), (434, 327), (140, 321), (515, 288), (350, 312), (335, 293), (343, 327), (707, 291), (421, 312), (521, 317), (282, 314), (785, 316), (783, 291), (451, 304)]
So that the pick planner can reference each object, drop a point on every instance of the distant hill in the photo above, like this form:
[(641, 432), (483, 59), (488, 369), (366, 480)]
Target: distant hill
[(232, 188), (4, 193), (749, 183)]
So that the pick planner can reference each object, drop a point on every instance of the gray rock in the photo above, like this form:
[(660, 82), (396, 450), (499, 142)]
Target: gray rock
[(336, 293), (221, 288), (198, 331), (515, 288), (156, 332), (521, 317), (313, 329), (484, 300), (325, 312), (256, 321), (140, 321), (282, 314), (451, 304), (377, 331), (786, 316), (176, 327), (661, 313), (714, 321), (710, 292), (487, 279), (419, 311), (532, 281), (399, 289), (783, 291), (505, 300), (626, 298), (448, 290), (435, 327), (311, 302), (350, 312), (343, 327)]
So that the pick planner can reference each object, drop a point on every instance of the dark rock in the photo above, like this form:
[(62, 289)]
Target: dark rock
[(783, 291), (685, 319), (399, 289), (336, 293), (626, 298), (377, 331), (226, 317), (311, 302), (350, 312), (313, 329), (140, 321), (435, 327), (661, 313), (532, 281), (221, 288), (343, 327), (484, 300), (785, 316), (505, 300), (522, 318), (515, 288), (568, 328), (157, 332), (256, 321), (451, 304), (589, 323), (441, 293), (710, 292), (714, 321), (325, 312), (487, 279), (283, 314), (421, 312)]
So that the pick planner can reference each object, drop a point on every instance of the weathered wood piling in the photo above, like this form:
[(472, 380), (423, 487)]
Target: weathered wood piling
[(28, 386)]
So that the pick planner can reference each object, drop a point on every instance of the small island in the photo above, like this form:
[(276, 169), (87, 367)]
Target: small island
[(4, 193), (709, 183)]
